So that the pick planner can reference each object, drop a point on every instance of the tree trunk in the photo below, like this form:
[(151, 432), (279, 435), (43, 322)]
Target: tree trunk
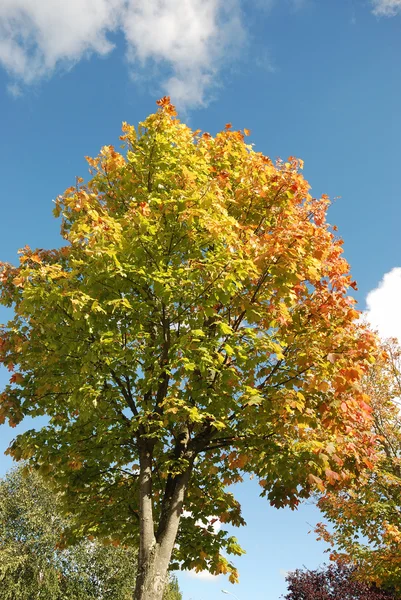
[(152, 576), (155, 549)]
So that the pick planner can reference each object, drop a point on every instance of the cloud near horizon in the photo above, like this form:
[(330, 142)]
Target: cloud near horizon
[(383, 305), (191, 39)]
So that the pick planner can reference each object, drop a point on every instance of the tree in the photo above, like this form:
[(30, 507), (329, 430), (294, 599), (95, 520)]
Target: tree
[(366, 519), (196, 326), (172, 591), (28, 532), (32, 565), (335, 582)]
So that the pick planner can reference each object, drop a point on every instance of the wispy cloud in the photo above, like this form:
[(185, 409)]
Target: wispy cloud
[(298, 4), (383, 305), (266, 62), (284, 573), (387, 8), (267, 5), (14, 90), (191, 39)]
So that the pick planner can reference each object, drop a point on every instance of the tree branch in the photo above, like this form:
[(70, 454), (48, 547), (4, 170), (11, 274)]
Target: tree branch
[(128, 397)]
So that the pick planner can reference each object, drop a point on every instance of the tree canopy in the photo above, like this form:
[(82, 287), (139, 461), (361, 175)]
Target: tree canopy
[(195, 326)]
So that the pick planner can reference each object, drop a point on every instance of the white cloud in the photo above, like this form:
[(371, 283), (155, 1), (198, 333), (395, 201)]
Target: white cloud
[(36, 36), (205, 575), (387, 8), (191, 38), (384, 305)]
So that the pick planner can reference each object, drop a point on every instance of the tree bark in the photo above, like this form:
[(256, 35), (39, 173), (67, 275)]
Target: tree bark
[(155, 549), (152, 577)]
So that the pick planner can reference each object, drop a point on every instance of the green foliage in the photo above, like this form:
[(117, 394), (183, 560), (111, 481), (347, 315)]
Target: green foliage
[(173, 591), (198, 319), (28, 533), (31, 564)]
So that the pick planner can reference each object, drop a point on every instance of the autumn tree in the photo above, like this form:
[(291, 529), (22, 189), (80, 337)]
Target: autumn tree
[(334, 582), (366, 519), (194, 327)]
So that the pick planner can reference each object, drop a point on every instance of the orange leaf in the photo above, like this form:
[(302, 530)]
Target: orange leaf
[(352, 374), (316, 481), (18, 281), (332, 476), (368, 463)]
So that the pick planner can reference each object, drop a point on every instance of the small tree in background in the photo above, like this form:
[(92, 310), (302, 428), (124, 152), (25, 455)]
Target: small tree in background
[(334, 582), (196, 326), (33, 566), (172, 591)]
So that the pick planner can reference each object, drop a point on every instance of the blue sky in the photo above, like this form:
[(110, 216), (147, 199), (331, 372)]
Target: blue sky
[(318, 79)]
